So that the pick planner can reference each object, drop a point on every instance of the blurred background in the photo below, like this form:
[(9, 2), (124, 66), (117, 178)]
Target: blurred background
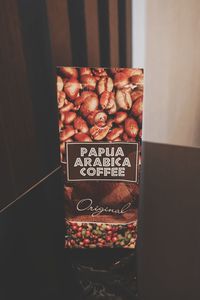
[(161, 36)]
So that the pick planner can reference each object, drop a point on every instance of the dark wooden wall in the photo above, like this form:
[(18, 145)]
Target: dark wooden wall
[(36, 36)]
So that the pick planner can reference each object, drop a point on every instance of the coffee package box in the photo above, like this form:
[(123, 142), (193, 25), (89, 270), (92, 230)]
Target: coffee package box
[(100, 129)]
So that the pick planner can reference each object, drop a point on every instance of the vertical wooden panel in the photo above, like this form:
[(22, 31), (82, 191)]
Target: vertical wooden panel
[(16, 107), (114, 34), (59, 31), (104, 32), (128, 26), (78, 32), (92, 32), (41, 82), (122, 32)]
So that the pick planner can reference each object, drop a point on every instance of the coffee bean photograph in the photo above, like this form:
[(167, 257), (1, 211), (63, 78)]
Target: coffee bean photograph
[(100, 150)]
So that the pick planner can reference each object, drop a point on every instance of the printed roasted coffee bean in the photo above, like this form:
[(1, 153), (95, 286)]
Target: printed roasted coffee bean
[(107, 102), (132, 72), (105, 84), (68, 117), (123, 99), (98, 132), (137, 107), (99, 72), (126, 138), (82, 137), (135, 94), (68, 106), (121, 80), (90, 103), (137, 79), (88, 82), (60, 99), (67, 133), (81, 125), (115, 133), (120, 117), (131, 127), (71, 88), (85, 71), (69, 72), (59, 84)]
